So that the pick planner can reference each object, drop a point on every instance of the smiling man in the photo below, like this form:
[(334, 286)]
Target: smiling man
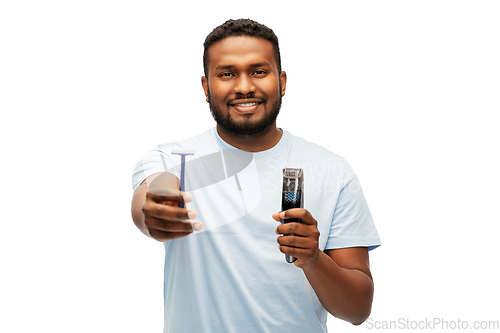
[(245, 90), (224, 265)]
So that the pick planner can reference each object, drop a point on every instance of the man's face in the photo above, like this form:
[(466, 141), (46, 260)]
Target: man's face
[(243, 87)]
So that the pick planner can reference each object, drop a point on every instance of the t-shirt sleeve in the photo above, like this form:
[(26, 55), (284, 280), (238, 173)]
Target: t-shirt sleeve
[(352, 224), (156, 160)]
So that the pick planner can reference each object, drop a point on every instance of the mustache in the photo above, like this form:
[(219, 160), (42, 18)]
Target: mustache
[(263, 99)]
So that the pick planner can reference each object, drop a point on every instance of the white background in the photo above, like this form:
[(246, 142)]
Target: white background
[(407, 91)]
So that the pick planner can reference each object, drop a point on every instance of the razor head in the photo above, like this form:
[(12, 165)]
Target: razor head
[(182, 152), (292, 173), (292, 179)]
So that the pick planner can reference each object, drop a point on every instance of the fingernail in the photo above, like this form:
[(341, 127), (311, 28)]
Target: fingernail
[(282, 215), (197, 226), (192, 214), (187, 197)]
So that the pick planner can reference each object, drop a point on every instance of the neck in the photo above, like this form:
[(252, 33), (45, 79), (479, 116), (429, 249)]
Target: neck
[(253, 143)]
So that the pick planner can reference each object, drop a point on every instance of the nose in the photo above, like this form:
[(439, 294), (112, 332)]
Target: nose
[(244, 85)]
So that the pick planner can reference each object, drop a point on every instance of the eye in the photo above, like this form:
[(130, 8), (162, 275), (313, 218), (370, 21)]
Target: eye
[(225, 74), (259, 73)]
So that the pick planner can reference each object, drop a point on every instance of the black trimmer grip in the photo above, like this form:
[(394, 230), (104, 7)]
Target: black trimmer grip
[(292, 196)]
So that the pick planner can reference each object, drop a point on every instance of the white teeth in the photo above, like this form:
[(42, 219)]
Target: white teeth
[(247, 104)]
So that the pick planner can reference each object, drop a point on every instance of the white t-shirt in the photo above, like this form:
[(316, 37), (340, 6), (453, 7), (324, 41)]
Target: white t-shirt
[(231, 276)]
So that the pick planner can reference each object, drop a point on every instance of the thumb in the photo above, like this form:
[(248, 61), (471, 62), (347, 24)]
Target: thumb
[(278, 216), (164, 194)]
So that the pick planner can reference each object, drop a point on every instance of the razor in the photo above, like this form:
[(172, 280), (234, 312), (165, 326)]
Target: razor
[(183, 154)]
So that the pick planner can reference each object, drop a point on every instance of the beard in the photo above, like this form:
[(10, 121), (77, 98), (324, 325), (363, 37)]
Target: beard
[(248, 126)]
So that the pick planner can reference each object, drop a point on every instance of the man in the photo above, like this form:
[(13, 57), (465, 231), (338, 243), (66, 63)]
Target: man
[(226, 271)]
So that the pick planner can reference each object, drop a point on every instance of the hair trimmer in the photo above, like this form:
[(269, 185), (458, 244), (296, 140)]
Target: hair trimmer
[(292, 196)]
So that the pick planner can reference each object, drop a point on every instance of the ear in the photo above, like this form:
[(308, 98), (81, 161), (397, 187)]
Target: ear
[(283, 83), (204, 83)]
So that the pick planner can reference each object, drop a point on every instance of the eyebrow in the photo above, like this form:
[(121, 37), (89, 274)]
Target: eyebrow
[(259, 64)]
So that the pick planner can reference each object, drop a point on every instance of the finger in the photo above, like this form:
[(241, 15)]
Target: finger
[(161, 195), (297, 242), (187, 197), (291, 228), (287, 228), (163, 236), (277, 217), (169, 213), (298, 213), (173, 226), (169, 226), (299, 253), (163, 192), (298, 229)]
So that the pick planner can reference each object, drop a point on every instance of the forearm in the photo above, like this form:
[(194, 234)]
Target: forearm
[(345, 293)]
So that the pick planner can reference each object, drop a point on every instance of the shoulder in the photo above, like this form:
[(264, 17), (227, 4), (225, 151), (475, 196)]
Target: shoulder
[(200, 143), (318, 161), (313, 150)]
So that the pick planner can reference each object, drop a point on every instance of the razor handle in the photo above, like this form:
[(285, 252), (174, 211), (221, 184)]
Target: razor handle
[(290, 199)]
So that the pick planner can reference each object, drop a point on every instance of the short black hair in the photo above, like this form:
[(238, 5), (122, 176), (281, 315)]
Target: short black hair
[(241, 27)]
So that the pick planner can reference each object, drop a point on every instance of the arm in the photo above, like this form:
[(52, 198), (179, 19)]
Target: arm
[(340, 278), (157, 214), (343, 282)]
